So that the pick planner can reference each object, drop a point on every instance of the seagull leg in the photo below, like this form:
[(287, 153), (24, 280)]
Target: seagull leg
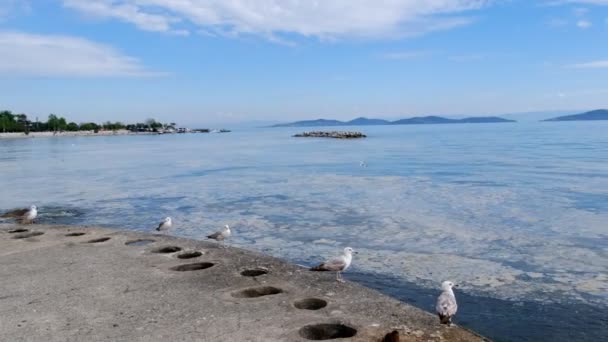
[(339, 277)]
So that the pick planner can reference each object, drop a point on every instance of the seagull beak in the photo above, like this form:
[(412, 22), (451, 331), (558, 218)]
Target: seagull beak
[(456, 285), (356, 252)]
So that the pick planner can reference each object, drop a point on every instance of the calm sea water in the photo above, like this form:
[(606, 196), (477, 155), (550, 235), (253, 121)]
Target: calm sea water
[(515, 213)]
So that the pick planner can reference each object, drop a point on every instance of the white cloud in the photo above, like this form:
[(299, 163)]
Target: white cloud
[(326, 20), (25, 54), (584, 24), (128, 12), (591, 65)]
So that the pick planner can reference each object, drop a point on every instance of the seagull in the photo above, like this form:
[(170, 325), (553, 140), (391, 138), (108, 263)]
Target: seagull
[(337, 264), (221, 235), (446, 303), (24, 216), (166, 224), (362, 164)]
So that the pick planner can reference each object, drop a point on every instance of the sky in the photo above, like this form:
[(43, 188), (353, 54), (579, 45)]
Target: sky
[(228, 61)]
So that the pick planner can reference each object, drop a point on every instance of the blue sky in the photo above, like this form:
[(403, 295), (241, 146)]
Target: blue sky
[(224, 61)]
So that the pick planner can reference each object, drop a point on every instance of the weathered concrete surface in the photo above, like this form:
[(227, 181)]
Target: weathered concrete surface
[(55, 287)]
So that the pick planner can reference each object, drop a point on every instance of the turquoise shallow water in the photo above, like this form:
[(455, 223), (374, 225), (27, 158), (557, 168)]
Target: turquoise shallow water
[(515, 213)]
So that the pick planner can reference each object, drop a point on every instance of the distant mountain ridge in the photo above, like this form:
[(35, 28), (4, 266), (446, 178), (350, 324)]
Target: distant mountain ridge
[(598, 114), (410, 121)]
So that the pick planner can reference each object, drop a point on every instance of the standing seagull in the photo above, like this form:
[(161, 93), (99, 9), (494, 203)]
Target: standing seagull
[(221, 235), (23, 215), (337, 264), (446, 303), (166, 224)]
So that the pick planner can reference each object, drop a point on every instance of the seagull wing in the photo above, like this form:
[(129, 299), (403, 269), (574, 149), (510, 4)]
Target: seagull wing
[(160, 226), (333, 264), (446, 305), (217, 236), (15, 213)]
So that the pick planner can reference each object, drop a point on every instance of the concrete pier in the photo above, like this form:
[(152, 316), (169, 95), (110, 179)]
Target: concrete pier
[(66, 283)]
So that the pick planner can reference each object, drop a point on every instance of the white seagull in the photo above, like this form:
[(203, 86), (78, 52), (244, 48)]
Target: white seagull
[(362, 164), (446, 303), (24, 216), (337, 264), (221, 235), (166, 224)]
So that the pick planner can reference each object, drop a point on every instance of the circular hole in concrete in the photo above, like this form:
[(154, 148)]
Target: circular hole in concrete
[(310, 304), (319, 332), (75, 234), (103, 239), (192, 267), (393, 336), (18, 230), (27, 235), (256, 272), (189, 255), (255, 292), (139, 242), (167, 249)]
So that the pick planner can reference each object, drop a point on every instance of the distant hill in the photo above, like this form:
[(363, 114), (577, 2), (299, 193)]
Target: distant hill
[(423, 120), (598, 114), (312, 123), (366, 122), (410, 121), (538, 115)]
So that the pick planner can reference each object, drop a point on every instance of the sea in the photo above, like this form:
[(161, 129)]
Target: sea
[(515, 213)]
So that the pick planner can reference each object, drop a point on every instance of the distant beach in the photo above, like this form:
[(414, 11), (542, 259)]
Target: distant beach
[(18, 135)]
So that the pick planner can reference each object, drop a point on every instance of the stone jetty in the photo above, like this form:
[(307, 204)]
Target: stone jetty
[(72, 283), (333, 134)]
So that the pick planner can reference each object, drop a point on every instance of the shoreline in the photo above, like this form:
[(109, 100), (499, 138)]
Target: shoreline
[(102, 283), (21, 135)]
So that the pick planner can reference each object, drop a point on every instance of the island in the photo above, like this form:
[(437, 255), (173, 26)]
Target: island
[(598, 114), (333, 134), (409, 121)]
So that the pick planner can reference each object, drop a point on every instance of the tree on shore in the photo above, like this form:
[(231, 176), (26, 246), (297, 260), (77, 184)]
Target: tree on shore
[(23, 122), (113, 126), (72, 127), (7, 121), (56, 123), (89, 126), (10, 122)]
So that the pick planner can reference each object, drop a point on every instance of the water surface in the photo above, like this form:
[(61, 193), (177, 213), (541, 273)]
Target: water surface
[(515, 213)]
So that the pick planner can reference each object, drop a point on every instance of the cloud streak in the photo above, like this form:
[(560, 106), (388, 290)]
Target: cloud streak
[(324, 20), (590, 65), (584, 24), (25, 54)]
